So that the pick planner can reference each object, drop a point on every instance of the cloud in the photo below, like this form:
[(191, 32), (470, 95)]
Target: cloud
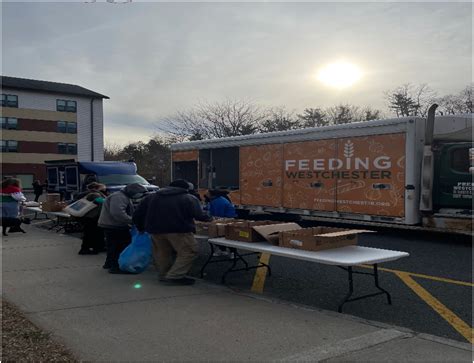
[(153, 59)]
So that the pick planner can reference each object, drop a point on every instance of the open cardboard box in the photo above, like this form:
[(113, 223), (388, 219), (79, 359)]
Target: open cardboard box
[(319, 238), (244, 231), (271, 232)]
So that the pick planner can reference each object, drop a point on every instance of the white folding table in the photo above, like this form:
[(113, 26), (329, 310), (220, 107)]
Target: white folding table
[(36, 211), (344, 257), (62, 220)]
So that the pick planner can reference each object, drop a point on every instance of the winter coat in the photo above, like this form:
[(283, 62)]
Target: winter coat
[(11, 197), (170, 210), (221, 207), (118, 208), (37, 188)]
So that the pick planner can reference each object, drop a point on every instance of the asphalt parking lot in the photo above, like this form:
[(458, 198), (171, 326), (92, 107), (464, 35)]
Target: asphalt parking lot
[(431, 290)]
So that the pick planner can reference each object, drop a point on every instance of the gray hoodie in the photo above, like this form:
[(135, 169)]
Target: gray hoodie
[(118, 208)]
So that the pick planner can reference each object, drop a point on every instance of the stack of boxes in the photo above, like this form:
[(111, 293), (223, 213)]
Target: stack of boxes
[(53, 203), (289, 235)]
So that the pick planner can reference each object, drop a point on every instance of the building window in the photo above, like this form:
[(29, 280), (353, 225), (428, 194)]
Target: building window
[(9, 100), (9, 123), (70, 149), (67, 127), (9, 146), (72, 128), (62, 148), (66, 106), (62, 126)]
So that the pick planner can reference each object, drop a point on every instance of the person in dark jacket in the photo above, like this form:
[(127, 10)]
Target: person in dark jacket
[(89, 178), (93, 235), (37, 189), (193, 191), (168, 216), (116, 220)]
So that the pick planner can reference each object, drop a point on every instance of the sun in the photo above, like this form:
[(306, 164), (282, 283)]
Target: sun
[(339, 74)]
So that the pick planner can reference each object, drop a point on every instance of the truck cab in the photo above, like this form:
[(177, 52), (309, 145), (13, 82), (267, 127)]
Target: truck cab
[(452, 182), (68, 177)]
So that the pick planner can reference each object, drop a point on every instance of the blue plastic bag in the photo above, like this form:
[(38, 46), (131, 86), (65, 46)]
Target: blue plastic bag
[(137, 256)]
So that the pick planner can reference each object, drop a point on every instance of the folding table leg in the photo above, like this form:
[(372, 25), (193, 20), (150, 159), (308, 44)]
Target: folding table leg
[(351, 286), (262, 264), (208, 260), (376, 280), (234, 262), (351, 289), (238, 256)]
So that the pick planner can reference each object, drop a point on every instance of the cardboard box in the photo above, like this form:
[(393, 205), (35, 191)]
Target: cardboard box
[(202, 228), (271, 232), (53, 197), (244, 231), (214, 228), (53, 206), (319, 238)]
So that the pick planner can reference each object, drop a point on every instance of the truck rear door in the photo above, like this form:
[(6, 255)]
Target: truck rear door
[(261, 175), (452, 180)]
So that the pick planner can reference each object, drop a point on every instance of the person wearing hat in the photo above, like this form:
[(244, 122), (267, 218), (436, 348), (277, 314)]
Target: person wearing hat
[(93, 235), (116, 220), (168, 216)]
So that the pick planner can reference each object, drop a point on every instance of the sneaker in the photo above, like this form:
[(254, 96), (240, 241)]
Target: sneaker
[(181, 281)]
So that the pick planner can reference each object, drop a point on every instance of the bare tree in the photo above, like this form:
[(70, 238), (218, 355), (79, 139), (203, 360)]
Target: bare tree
[(458, 103), (424, 97), (215, 120), (407, 100), (112, 151), (343, 114), (313, 117), (279, 119), (368, 113), (153, 158)]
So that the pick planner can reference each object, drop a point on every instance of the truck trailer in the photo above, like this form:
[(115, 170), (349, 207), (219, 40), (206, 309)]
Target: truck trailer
[(407, 172)]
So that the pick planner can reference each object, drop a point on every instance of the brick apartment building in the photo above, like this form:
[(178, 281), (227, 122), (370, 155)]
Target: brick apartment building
[(48, 121)]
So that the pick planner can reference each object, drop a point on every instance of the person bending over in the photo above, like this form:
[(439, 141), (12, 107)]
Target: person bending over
[(116, 220)]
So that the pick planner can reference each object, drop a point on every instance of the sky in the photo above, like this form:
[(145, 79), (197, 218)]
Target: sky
[(154, 59)]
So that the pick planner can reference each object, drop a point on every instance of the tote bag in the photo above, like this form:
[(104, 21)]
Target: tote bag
[(80, 208)]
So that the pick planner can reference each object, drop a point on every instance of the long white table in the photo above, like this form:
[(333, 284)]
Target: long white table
[(36, 211), (62, 219), (344, 257)]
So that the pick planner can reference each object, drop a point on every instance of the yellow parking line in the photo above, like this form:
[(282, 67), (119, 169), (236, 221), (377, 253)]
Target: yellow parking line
[(428, 277), (260, 274), (465, 330)]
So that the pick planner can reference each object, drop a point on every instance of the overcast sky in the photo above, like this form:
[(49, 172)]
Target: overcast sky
[(153, 59)]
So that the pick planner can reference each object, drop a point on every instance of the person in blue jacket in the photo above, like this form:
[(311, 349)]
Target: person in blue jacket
[(220, 206)]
